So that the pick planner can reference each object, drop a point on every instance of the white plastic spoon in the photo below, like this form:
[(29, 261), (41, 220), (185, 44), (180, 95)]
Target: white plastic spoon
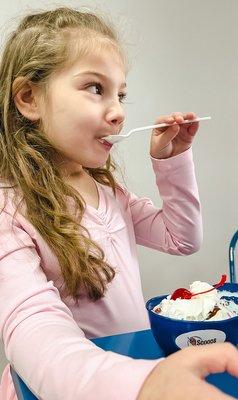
[(117, 138)]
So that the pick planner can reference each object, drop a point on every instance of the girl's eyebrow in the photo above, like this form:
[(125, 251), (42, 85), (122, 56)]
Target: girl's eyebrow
[(99, 75)]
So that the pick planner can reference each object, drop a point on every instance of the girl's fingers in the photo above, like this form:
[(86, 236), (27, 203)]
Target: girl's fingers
[(176, 117), (191, 127), (168, 130), (211, 359), (167, 119), (189, 115), (175, 120)]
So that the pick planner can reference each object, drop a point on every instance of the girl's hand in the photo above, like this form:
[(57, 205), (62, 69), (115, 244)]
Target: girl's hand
[(175, 139), (182, 375)]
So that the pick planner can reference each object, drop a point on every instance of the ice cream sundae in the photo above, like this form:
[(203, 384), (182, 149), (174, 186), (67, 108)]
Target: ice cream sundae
[(202, 302)]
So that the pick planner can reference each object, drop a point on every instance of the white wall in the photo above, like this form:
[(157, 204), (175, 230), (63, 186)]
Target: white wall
[(184, 58)]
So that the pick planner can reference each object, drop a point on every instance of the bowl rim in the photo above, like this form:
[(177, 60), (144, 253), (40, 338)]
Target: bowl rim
[(186, 321)]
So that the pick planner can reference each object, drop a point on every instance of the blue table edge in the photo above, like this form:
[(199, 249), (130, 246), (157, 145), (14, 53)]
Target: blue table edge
[(138, 345)]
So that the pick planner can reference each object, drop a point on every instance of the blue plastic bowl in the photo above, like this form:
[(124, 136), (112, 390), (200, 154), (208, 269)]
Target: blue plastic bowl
[(173, 334)]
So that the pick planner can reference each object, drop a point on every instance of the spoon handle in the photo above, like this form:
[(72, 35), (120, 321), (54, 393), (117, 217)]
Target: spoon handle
[(163, 125), (221, 283)]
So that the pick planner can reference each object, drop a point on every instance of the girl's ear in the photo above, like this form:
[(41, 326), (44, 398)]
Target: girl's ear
[(26, 99)]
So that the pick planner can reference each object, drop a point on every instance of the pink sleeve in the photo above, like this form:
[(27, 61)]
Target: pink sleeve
[(43, 342), (177, 227)]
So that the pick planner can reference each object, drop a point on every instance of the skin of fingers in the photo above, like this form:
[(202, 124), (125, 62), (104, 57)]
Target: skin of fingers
[(179, 118), (186, 134), (188, 131), (178, 383), (161, 138), (215, 358), (169, 141), (188, 115), (163, 119), (181, 375), (167, 119), (186, 385), (161, 146), (193, 127), (175, 118)]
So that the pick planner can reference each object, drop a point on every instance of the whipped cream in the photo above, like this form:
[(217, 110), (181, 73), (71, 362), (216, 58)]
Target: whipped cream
[(207, 306)]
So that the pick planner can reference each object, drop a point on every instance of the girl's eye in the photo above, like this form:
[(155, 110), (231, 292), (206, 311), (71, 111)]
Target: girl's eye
[(122, 97), (95, 88)]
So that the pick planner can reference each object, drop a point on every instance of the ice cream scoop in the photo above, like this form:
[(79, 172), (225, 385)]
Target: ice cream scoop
[(183, 293)]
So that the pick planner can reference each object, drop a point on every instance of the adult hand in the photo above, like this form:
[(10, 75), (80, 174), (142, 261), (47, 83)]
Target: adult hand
[(175, 139), (182, 375)]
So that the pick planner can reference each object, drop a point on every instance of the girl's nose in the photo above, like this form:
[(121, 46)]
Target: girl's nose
[(115, 115)]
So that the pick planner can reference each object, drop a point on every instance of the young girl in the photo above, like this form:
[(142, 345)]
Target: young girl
[(68, 230)]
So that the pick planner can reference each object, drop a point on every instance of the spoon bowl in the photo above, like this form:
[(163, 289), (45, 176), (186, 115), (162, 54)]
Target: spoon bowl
[(113, 139)]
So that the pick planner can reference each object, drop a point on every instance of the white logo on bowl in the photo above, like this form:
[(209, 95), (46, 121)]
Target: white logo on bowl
[(199, 338)]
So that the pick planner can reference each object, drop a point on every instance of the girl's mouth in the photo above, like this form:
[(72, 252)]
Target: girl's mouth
[(105, 144)]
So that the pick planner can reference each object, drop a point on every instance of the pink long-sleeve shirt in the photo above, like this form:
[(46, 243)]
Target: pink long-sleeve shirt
[(46, 336)]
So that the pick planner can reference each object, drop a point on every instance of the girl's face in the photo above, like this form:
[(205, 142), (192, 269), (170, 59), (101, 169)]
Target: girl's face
[(85, 104)]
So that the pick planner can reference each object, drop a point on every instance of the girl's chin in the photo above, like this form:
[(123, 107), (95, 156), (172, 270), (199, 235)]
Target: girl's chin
[(96, 164)]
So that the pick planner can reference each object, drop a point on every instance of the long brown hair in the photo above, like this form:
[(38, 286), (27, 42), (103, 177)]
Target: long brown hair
[(40, 45)]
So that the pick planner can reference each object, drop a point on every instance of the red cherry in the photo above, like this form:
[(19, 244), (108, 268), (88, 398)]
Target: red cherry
[(185, 294), (181, 293)]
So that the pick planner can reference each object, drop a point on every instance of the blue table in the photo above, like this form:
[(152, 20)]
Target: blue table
[(137, 345)]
